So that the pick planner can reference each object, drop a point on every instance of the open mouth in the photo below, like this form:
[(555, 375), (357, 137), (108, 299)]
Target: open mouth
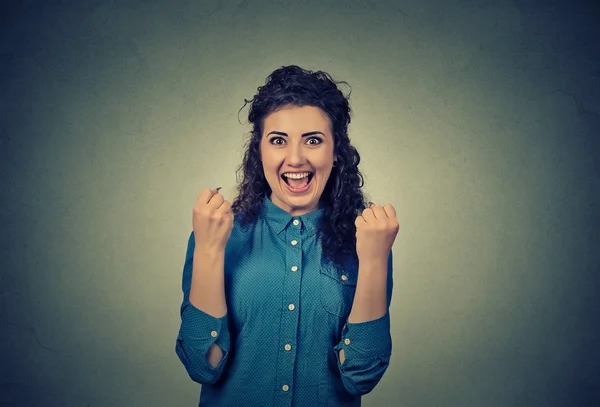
[(298, 183)]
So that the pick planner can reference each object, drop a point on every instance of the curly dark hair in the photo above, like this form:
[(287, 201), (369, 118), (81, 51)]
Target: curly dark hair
[(342, 198)]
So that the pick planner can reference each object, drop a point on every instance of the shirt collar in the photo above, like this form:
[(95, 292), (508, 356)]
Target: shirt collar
[(279, 219)]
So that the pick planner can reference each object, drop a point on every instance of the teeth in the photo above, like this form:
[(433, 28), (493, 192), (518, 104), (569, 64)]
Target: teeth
[(297, 176)]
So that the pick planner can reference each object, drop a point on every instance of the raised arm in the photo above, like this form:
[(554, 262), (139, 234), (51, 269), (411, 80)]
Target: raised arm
[(364, 350), (203, 340), (366, 345)]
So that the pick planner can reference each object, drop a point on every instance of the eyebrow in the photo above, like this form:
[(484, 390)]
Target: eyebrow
[(310, 133)]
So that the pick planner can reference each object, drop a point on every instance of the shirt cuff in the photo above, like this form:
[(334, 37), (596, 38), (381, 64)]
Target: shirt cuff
[(367, 339), (199, 326)]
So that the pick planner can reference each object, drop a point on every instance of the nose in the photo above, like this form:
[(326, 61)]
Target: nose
[(296, 156)]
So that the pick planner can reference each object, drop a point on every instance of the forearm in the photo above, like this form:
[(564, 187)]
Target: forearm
[(203, 341), (370, 299), (207, 291)]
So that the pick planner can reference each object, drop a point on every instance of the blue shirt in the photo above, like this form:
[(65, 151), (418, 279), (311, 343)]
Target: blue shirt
[(286, 322)]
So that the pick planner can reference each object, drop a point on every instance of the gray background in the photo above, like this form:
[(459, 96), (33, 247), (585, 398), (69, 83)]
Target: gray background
[(477, 120)]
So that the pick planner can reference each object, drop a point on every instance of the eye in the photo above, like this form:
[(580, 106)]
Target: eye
[(316, 140), (277, 140)]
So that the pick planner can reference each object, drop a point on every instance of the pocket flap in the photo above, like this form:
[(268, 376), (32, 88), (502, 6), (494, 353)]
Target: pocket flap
[(349, 276)]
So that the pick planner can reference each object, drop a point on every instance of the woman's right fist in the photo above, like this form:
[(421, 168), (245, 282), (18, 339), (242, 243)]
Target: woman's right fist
[(212, 221)]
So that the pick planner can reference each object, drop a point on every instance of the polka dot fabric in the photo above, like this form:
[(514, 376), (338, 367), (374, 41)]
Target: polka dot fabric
[(286, 322)]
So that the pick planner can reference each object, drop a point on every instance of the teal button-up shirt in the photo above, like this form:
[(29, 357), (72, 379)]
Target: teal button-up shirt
[(286, 322)]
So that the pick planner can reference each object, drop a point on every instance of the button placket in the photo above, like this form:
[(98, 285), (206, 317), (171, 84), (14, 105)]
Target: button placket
[(290, 299)]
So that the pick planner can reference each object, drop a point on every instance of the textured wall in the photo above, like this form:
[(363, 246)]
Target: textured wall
[(478, 120)]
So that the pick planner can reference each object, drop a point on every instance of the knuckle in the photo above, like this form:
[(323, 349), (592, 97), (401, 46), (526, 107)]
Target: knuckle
[(200, 211), (201, 215)]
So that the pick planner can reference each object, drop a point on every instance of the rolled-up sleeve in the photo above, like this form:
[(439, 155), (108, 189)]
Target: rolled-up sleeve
[(199, 331), (367, 348)]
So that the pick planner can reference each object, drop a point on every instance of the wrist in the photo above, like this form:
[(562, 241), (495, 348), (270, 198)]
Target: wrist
[(209, 252), (208, 262), (371, 262)]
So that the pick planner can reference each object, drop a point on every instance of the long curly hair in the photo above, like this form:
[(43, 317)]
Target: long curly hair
[(342, 197)]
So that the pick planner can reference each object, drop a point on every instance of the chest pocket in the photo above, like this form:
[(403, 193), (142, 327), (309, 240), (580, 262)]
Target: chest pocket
[(337, 289)]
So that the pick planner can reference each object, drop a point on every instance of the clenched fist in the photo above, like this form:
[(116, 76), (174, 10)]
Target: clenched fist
[(212, 220), (376, 230)]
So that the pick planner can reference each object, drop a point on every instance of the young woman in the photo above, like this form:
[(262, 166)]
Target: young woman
[(287, 290)]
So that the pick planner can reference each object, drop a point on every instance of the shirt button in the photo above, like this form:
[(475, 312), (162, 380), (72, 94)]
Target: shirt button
[(288, 346), (294, 242), (294, 268), (296, 222), (347, 341), (285, 387), (291, 307), (344, 277), (213, 334)]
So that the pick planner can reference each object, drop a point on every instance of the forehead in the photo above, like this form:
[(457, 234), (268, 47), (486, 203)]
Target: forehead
[(300, 119)]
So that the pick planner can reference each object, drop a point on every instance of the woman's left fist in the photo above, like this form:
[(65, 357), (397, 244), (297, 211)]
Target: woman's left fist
[(376, 230)]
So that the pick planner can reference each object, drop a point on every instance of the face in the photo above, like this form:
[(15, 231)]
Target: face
[(297, 156)]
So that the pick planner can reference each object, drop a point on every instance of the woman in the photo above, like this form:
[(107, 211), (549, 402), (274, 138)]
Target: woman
[(287, 290)]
